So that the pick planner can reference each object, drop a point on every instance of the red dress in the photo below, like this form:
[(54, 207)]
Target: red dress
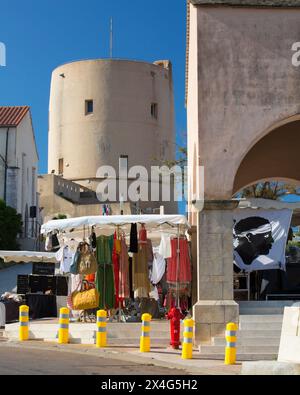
[(184, 275)]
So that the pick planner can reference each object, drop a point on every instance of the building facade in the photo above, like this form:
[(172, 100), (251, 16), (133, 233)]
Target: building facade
[(105, 112), (18, 169), (243, 127)]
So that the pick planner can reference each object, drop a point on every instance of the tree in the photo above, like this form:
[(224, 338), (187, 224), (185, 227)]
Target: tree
[(10, 227), (273, 190), (60, 216)]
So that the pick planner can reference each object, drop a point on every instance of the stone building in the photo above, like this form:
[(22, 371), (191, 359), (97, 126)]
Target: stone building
[(104, 112), (18, 168), (243, 106)]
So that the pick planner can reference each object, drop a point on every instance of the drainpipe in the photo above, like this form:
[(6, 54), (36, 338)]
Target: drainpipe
[(6, 166)]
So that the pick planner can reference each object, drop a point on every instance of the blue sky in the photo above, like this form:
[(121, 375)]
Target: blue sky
[(40, 35)]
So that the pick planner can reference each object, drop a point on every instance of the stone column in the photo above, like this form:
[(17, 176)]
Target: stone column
[(215, 307)]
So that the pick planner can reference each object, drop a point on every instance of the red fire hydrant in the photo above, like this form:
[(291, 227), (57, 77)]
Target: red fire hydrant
[(175, 316)]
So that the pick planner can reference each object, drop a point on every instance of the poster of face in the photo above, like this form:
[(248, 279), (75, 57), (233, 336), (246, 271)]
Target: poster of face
[(260, 237)]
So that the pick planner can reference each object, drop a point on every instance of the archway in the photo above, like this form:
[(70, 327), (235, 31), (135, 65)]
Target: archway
[(273, 158)]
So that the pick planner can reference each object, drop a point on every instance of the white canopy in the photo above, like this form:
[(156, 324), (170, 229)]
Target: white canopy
[(27, 256), (114, 220)]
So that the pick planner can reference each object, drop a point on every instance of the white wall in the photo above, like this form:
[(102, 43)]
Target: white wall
[(21, 144)]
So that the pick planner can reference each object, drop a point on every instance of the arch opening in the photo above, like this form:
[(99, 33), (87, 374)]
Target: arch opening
[(274, 157)]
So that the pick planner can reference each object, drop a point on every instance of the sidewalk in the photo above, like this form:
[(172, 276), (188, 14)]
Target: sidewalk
[(158, 357)]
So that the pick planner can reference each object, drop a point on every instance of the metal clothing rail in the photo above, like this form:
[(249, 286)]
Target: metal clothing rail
[(113, 221)]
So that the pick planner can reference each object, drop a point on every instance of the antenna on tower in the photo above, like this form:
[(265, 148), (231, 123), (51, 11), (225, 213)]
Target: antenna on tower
[(111, 37)]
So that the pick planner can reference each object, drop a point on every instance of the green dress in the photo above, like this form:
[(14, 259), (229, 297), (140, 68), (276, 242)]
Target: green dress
[(105, 274)]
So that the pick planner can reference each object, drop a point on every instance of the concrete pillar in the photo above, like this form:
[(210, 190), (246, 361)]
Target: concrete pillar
[(194, 242), (215, 307)]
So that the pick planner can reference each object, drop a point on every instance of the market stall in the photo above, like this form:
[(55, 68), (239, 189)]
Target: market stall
[(27, 256), (39, 290), (126, 259)]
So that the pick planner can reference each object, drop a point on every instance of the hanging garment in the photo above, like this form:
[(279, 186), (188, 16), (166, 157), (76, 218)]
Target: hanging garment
[(55, 242), (182, 274), (65, 256), (48, 243), (117, 244), (131, 291), (133, 239), (150, 252), (74, 284), (105, 273), (90, 278), (170, 301), (165, 249), (158, 268), (124, 291), (140, 272), (93, 240), (115, 260), (143, 234)]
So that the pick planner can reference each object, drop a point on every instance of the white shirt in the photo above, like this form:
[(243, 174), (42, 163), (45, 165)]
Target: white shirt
[(65, 257), (165, 249)]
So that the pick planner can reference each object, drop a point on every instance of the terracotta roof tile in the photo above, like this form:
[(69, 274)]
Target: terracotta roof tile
[(12, 116)]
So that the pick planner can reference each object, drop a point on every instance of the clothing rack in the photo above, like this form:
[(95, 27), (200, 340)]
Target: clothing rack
[(152, 222)]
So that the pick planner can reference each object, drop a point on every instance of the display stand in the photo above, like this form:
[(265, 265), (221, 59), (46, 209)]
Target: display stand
[(153, 222)]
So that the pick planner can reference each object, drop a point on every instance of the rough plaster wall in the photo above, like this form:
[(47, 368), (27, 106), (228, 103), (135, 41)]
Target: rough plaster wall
[(275, 156), (247, 83)]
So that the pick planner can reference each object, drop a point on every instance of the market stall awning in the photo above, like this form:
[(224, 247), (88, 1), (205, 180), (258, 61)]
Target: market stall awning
[(114, 220), (27, 256)]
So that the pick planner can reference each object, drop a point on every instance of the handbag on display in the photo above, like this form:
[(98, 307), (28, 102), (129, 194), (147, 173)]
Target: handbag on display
[(85, 300), (87, 263)]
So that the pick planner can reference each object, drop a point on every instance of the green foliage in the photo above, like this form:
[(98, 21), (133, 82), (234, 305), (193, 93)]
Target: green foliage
[(273, 190), (60, 216), (294, 244), (10, 227)]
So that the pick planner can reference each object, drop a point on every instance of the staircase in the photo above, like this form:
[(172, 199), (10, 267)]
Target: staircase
[(2, 338), (259, 332)]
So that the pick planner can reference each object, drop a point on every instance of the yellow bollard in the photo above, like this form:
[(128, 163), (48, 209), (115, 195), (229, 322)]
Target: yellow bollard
[(230, 352), (101, 340), (145, 338), (63, 332), (24, 323), (187, 346)]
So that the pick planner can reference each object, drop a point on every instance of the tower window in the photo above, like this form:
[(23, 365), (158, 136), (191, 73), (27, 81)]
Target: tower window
[(154, 110), (89, 107), (60, 166)]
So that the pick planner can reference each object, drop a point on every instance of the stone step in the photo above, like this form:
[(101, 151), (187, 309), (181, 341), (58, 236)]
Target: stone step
[(266, 304), (244, 334), (242, 349), (251, 341), (261, 318), (244, 356), (277, 326), (262, 311)]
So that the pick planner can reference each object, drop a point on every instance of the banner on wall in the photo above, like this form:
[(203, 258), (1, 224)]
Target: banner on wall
[(260, 237)]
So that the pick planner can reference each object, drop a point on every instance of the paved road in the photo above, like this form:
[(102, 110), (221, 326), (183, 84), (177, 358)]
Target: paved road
[(17, 361)]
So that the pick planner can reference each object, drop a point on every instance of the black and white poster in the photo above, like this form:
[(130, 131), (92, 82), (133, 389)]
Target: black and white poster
[(260, 237)]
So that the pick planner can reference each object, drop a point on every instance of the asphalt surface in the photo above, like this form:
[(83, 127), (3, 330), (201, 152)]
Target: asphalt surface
[(18, 361)]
